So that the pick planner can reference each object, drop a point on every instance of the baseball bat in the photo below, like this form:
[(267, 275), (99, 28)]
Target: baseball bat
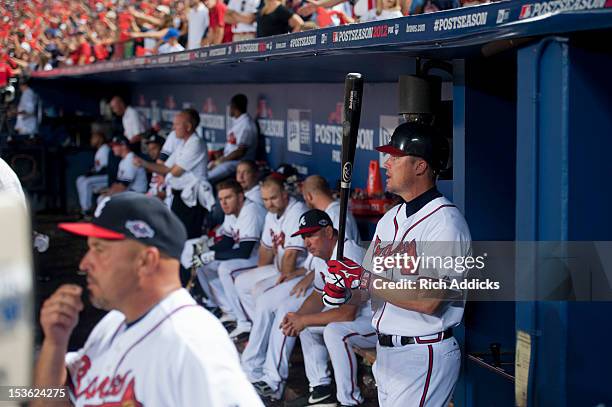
[(353, 94)]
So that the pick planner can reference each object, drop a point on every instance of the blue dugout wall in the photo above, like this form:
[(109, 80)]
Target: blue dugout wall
[(528, 110)]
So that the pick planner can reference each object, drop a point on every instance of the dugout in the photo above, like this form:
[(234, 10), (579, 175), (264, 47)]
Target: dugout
[(527, 104)]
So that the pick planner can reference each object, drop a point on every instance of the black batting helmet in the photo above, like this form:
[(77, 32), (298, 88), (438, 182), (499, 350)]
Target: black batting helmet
[(418, 140)]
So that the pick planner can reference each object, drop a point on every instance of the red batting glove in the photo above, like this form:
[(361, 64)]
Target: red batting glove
[(335, 295), (348, 271)]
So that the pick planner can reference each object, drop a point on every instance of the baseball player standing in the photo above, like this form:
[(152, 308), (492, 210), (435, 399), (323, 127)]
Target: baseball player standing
[(418, 359), (153, 347)]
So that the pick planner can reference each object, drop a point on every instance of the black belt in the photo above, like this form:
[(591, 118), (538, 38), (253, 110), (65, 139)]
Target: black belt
[(388, 340)]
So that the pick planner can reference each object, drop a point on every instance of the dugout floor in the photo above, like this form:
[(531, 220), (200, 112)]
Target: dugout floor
[(58, 265)]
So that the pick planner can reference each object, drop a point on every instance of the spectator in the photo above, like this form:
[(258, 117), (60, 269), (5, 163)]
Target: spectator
[(96, 178), (171, 42), (83, 52), (216, 13), (197, 19), (241, 142), (241, 15), (27, 111), (275, 19), (247, 177), (133, 128), (129, 176), (185, 170), (385, 9)]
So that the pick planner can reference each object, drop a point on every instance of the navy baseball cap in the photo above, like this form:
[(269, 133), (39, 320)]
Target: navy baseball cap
[(155, 138), (313, 221), (120, 140), (171, 33), (130, 215)]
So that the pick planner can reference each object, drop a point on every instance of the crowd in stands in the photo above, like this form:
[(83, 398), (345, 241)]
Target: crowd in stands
[(46, 34)]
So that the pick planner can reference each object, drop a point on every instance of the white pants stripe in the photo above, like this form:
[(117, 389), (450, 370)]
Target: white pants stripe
[(417, 375)]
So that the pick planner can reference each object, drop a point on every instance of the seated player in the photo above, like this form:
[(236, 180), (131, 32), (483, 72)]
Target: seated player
[(129, 177), (96, 178), (235, 253)]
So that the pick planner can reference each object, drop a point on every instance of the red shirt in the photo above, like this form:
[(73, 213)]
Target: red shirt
[(5, 73), (217, 15)]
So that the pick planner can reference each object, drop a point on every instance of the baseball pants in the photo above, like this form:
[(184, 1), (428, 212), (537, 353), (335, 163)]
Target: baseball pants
[(266, 338), (417, 375), (222, 171), (251, 283), (225, 286), (339, 338), (278, 353), (87, 186)]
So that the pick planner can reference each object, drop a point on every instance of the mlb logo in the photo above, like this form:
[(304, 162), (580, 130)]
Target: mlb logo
[(525, 11), (502, 16), (323, 38), (335, 37)]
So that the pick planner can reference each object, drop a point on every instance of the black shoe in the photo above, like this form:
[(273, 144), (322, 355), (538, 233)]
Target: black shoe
[(263, 389), (320, 396)]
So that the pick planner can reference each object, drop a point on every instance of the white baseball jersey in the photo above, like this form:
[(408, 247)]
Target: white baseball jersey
[(101, 157), (191, 156), (247, 227), (351, 230), (9, 182), (278, 230), (132, 123), (254, 194), (415, 228), (244, 6), (172, 142), (163, 359), (135, 177), (242, 133)]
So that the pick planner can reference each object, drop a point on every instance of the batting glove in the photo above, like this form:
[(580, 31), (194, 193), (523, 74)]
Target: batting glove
[(207, 257), (335, 295), (347, 271)]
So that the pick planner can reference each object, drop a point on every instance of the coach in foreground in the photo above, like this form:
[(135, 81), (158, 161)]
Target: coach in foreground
[(153, 347), (418, 359)]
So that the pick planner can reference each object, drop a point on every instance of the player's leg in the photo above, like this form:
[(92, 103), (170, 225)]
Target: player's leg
[(219, 296), (221, 171), (245, 282), (267, 302), (203, 274), (432, 372), (339, 340), (82, 192), (276, 366), (228, 271), (315, 356)]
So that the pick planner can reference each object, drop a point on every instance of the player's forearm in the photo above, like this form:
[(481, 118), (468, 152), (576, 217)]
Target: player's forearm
[(266, 256), (288, 261), (234, 155), (312, 304), (154, 167), (51, 367), (344, 313)]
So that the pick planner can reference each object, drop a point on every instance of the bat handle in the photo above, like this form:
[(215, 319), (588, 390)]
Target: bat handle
[(344, 196)]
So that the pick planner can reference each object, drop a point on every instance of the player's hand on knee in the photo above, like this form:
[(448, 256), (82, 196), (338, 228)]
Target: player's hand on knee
[(60, 313), (207, 257), (349, 271)]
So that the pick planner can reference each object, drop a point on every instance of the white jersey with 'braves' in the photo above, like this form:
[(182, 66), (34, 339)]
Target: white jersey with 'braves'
[(278, 230), (163, 359), (247, 227), (435, 229), (242, 133), (134, 177)]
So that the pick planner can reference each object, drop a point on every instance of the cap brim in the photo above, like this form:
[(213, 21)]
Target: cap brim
[(90, 230), (389, 149), (303, 231)]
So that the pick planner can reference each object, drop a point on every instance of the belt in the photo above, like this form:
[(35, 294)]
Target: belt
[(396, 340)]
